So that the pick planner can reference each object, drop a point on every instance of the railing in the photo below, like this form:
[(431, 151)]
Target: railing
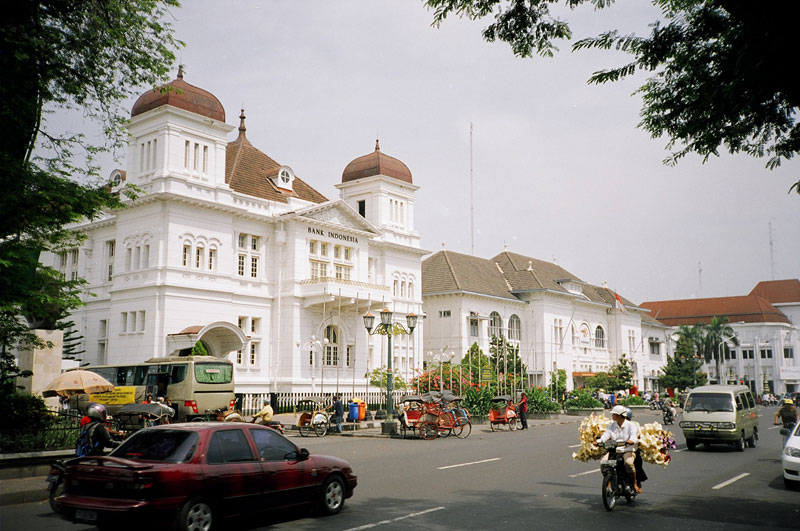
[(252, 403), (61, 434)]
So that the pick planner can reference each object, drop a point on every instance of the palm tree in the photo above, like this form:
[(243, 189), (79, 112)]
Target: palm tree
[(718, 332)]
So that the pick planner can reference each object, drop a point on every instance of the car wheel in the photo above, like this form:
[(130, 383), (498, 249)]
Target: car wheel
[(740, 443), (55, 493), (752, 442), (691, 444), (196, 515), (332, 497)]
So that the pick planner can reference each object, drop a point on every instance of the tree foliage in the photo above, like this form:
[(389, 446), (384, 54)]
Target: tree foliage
[(379, 377), (718, 68), (58, 56), (620, 375)]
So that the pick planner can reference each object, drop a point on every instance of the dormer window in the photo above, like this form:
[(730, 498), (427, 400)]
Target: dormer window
[(284, 178)]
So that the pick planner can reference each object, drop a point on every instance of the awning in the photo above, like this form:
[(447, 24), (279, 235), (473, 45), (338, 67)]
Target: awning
[(583, 374)]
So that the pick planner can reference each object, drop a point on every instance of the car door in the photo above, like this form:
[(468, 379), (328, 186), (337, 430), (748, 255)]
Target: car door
[(285, 481), (233, 474)]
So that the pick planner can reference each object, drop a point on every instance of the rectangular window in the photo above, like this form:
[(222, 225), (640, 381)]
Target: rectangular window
[(654, 348), (362, 208), (128, 259), (103, 332), (73, 258), (123, 322), (444, 313), (137, 257), (242, 321), (253, 353), (186, 154), (323, 249), (62, 262), (239, 357), (131, 321), (350, 350), (254, 322), (312, 247), (140, 320), (196, 156), (149, 156), (473, 328), (319, 269), (141, 158), (212, 259), (631, 341), (198, 257), (254, 243), (766, 353), (110, 246), (101, 351), (348, 254), (732, 353), (342, 272), (155, 154), (242, 241), (240, 269), (187, 251), (145, 256), (788, 352), (337, 252), (205, 159), (254, 267), (747, 354)]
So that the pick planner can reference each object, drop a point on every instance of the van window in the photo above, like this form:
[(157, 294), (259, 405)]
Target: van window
[(709, 402), (739, 404), (177, 373), (213, 372), (750, 400)]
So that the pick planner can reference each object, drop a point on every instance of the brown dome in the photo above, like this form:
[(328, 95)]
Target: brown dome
[(182, 95), (376, 163)]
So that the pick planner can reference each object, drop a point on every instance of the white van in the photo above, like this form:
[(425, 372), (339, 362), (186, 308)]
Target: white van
[(720, 414)]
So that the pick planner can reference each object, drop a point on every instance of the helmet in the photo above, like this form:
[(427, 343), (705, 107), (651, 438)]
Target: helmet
[(266, 401), (97, 412), (618, 410), (788, 401), (628, 413)]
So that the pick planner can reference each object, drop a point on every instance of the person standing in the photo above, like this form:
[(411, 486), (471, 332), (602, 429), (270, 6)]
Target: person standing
[(338, 412), (523, 411)]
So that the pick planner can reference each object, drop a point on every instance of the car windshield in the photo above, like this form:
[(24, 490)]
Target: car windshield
[(709, 402), (173, 446)]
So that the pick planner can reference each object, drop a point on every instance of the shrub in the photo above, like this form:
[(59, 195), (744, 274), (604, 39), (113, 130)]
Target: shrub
[(582, 400), (633, 400), (540, 402), (27, 425), (477, 402)]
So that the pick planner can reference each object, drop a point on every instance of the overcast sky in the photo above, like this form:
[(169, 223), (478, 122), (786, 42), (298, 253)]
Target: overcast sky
[(559, 167)]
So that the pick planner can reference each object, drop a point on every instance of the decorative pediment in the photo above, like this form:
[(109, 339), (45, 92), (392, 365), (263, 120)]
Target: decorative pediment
[(337, 214)]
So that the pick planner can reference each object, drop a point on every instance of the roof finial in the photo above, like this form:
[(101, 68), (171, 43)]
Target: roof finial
[(242, 128), (180, 71), (377, 145)]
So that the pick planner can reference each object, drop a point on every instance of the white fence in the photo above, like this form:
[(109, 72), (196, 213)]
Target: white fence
[(252, 403)]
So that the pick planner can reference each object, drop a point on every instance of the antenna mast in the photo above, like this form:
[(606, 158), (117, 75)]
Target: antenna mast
[(699, 280), (771, 252), (471, 203)]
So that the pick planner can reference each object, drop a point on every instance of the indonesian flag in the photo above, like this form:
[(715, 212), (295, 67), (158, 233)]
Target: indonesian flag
[(618, 303)]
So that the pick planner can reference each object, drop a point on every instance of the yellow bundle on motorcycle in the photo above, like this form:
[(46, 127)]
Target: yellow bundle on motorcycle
[(655, 443), (589, 431)]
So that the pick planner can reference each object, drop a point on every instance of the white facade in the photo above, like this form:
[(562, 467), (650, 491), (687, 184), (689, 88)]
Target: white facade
[(569, 325), (254, 279)]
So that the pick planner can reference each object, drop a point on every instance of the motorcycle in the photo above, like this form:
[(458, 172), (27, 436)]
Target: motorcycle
[(655, 405), (615, 478), (667, 417), (55, 483)]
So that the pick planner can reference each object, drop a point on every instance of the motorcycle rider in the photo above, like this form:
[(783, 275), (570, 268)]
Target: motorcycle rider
[(668, 406), (97, 429), (623, 429), (265, 414), (788, 414)]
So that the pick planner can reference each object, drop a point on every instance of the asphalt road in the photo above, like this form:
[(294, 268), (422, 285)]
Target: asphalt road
[(525, 480)]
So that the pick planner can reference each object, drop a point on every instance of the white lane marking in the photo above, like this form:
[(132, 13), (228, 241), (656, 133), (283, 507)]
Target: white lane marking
[(584, 473), (472, 463), (732, 480), (775, 427), (676, 451), (573, 446), (376, 524)]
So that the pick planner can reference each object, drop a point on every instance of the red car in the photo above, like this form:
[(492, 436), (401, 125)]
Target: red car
[(195, 474)]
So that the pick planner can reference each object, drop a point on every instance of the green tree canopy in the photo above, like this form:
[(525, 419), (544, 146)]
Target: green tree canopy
[(80, 56), (718, 76), (620, 375)]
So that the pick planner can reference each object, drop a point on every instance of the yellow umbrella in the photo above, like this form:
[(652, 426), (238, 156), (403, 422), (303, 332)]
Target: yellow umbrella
[(77, 382)]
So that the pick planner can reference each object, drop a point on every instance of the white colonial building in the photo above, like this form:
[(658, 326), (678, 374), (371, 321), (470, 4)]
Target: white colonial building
[(557, 320), (229, 247), (765, 323)]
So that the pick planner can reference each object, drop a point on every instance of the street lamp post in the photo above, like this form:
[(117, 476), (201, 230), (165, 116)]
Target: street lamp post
[(388, 328), (314, 345)]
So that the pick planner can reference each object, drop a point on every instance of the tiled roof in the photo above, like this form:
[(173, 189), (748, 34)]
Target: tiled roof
[(181, 94), (747, 308), (778, 291), (525, 273), (249, 171), (447, 271)]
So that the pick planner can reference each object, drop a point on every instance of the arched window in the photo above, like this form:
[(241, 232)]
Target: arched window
[(599, 337), (514, 328), (332, 348), (495, 325)]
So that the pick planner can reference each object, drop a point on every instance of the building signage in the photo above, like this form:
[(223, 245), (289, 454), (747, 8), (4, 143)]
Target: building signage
[(122, 394), (789, 373), (333, 235)]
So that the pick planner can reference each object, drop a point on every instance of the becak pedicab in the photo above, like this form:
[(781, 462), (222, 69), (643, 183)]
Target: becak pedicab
[(314, 417), (411, 411), (502, 411)]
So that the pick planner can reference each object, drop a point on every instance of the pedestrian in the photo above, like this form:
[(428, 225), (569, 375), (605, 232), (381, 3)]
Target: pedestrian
[(523, 411), (338, 412)]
